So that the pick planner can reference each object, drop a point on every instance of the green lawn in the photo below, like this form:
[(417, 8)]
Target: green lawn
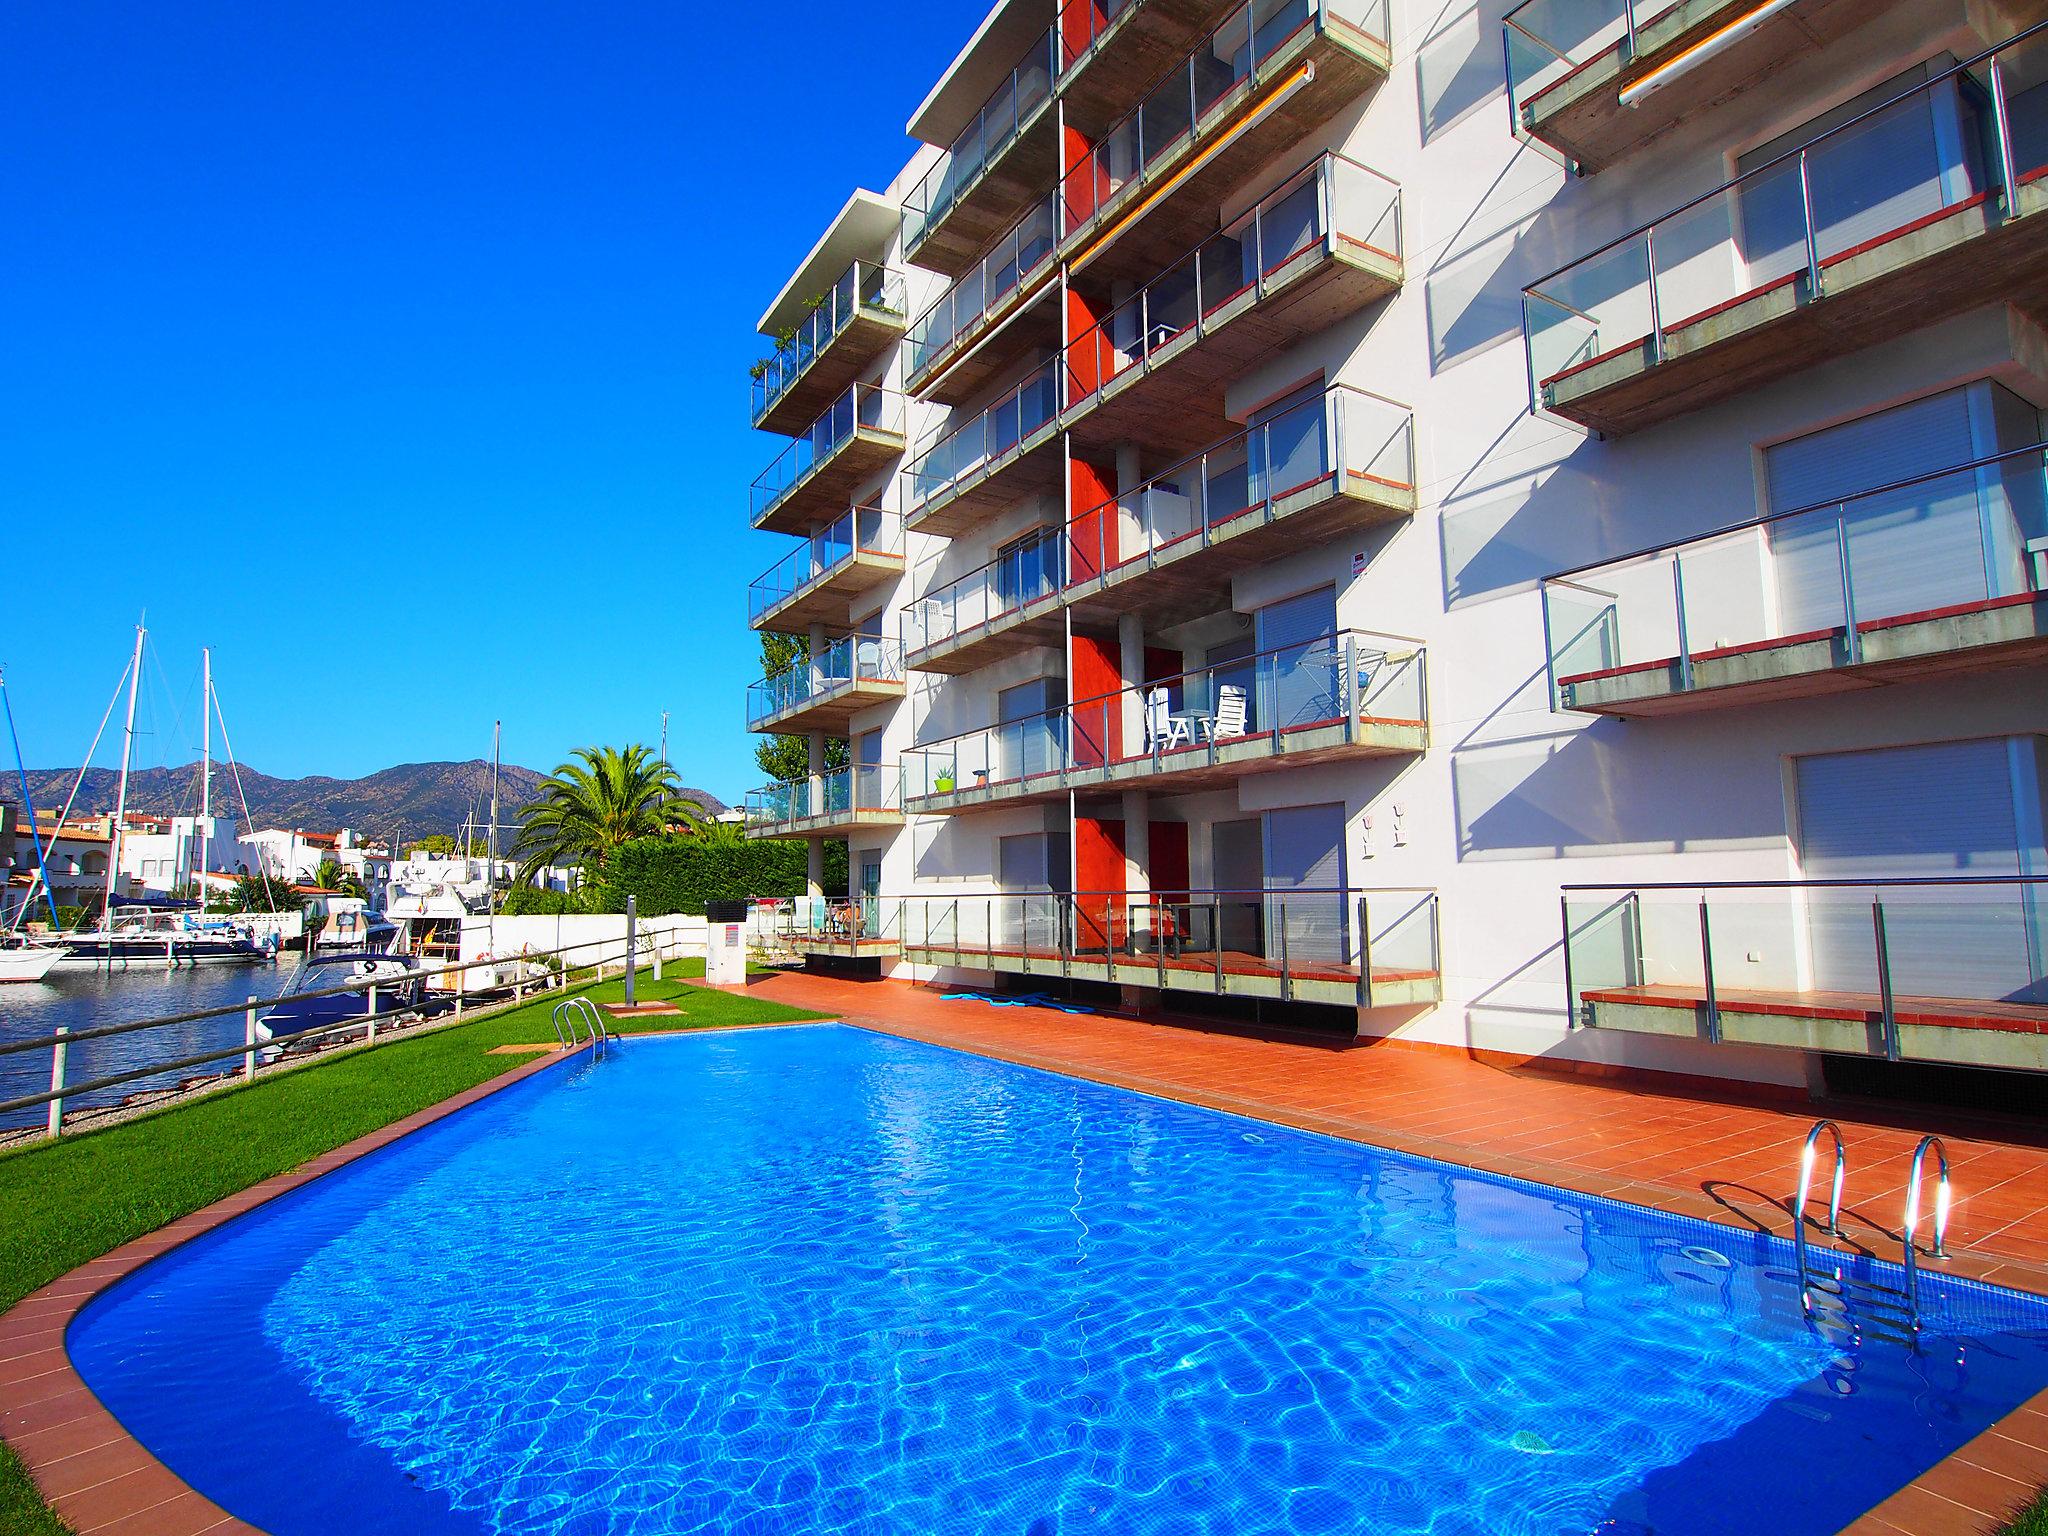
[(65, 1202), (2031, 1521)]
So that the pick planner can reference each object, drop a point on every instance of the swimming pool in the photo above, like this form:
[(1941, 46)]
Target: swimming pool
[(819, 1280)]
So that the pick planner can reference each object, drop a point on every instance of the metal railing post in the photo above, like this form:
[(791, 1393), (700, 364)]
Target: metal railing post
[(1286, 975), (2003, 124), (1888, 1017), (249, 1041), (1571, 998), (1852, 637), (1364, 959), (1707, 965), (1684, 636), (1656, 309), (371, 1015), (1216, 939), (59, 1059), (1812, 238)]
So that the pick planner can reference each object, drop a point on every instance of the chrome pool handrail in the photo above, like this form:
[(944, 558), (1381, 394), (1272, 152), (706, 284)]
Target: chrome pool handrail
[(1834, 1226), (1909, 1226)]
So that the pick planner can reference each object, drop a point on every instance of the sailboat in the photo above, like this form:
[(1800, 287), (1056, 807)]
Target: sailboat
[(171, 934), (22, 959)]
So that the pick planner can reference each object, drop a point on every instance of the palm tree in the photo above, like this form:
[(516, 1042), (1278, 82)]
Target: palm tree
[(599, 800)]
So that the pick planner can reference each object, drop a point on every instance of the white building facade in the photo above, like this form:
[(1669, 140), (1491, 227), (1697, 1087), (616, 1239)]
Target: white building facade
[(1511, 534)]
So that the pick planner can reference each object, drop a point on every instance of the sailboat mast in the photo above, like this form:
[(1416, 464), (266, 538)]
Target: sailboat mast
[(121, 795), (206, 740)]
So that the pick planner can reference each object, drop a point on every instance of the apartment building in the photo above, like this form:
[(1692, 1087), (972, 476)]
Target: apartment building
[(1519, 534)]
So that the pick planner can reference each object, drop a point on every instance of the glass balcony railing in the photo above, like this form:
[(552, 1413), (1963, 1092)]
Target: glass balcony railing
[(1013, 106), (1343, 437), (841, 923), (1346, 683), (1084, 23), (863, 289), (865, 408), (860, 531), (1947, 968), (1331, 944), (845, 663), (852, 791), (1186, 103), (1550, 40), (1787, 232), (980, 292), (986, 441), (1334, 199), (1835, 582)]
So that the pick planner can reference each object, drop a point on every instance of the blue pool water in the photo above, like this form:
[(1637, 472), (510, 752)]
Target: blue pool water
[(817, 1280)]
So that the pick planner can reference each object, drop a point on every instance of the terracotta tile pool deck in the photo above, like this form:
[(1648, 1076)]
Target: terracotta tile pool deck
[(1684, 1148)]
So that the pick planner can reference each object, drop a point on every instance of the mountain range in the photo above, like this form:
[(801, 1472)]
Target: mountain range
[(409, 801)]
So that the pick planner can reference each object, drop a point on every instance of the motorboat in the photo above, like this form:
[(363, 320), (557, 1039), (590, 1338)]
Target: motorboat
[(398, 983), (23, 960), (172, 935)]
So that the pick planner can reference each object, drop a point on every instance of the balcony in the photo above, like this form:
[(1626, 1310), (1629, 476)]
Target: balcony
[(996, 167), (1167, 549), (863, 928), (1874, 229), (952, 350), (825, 692), (840, 337), (1151, 185), (995, 458), (857, 437), (1931, 577), (1344, 696), (1322, 245), (1109, 50), (815, 582), (864, 795), (1349, 947), (1931, 970), (1597, 82)]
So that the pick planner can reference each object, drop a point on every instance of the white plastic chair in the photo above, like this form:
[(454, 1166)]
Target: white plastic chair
[(1229, 719), (1163, 729)]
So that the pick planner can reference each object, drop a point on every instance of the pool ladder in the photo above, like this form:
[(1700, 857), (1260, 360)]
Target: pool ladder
[(1892, 1313), (580, 1013)]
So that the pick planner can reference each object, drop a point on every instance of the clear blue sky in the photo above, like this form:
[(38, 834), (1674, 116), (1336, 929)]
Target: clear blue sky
[(399, 352)]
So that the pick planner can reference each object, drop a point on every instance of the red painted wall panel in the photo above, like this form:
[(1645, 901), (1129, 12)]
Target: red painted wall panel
[(1098, 728), (1092, 534)]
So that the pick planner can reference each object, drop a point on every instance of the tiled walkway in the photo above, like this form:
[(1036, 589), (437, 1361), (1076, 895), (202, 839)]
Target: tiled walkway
[(1717, 1157)]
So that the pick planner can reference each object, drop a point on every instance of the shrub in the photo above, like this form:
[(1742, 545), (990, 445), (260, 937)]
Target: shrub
[(679, 873), (533, 901)]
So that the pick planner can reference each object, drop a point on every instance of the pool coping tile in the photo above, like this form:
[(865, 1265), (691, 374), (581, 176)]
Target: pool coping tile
[(98, 1477)]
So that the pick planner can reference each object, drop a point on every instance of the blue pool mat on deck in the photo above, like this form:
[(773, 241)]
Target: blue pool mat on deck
[(1018, 1000)]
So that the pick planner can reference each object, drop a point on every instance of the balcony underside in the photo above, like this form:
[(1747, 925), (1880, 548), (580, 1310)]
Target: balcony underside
[(1034, 465), (1012, 330), (1111, 77), (846, 357), (1040, 622), (828, 599), (834, 484), (839, 823), (1185, 770), (1018, 177), (1580, 115), (1959, 1031), (1151, 222), (1172, 401), (1946, 642), (842, 949), (1233, 973), (831, 713), (1180, 579), (1931, 269)]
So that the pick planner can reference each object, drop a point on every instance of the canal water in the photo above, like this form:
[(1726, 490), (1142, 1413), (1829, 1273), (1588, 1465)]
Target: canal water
[(84, 999)]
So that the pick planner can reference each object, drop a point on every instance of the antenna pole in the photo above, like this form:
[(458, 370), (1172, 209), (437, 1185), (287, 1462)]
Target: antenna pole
[(121, 795)]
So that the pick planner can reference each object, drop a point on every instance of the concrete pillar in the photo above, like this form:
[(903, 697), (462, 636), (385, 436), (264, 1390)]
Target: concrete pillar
[(1137, 841), (1130, 633), (818, 643)]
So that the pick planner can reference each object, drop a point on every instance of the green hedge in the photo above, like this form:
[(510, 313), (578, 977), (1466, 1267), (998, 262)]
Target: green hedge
[(680, 873)]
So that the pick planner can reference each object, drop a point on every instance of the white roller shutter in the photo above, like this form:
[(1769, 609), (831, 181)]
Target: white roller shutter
[(1911, 550), (1944, 809), (1305, 883)]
